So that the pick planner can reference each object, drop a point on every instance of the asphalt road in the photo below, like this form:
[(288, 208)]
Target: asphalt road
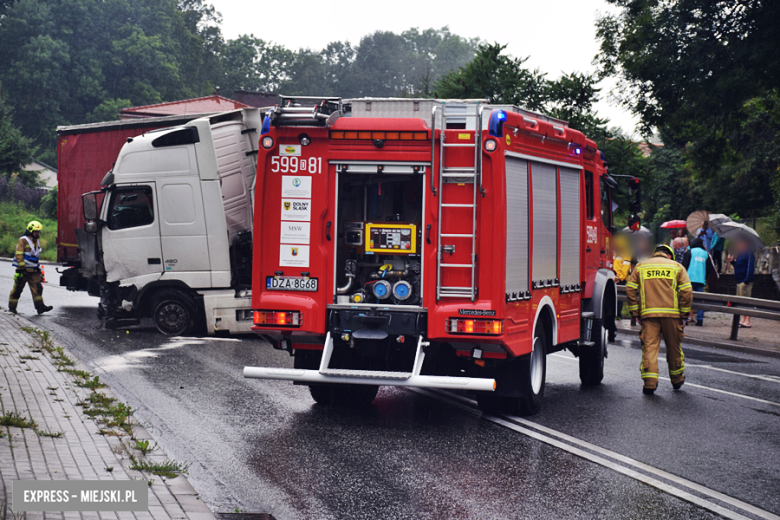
[(609, 452)]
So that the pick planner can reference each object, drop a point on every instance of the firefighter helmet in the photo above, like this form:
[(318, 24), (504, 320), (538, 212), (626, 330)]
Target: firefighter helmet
[(34, 225), (663, 248)]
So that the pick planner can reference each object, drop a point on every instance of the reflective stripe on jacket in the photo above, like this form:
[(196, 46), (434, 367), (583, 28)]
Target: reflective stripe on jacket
[(28, 251), (659, 288)]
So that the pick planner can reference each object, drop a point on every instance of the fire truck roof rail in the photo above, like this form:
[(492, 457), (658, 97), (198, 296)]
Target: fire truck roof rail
[(421, 107), (306, 111)]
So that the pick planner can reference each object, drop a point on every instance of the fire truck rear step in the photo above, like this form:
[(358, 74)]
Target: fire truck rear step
[(327, 375)]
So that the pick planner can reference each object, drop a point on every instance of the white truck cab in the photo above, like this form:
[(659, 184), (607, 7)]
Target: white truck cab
[(173, 233)]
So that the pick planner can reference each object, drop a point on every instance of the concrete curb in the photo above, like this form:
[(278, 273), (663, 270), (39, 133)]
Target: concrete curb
[(724, 345), (173, 498)]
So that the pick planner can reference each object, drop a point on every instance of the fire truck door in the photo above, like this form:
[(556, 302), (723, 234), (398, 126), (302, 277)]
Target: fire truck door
[(592, 225), (605, 245)]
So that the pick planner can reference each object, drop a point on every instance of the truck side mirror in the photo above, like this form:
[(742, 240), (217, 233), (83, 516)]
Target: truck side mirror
[(635, 205), (89, 206), (90, 226)]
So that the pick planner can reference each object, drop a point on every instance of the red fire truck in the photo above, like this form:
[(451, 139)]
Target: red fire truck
[(429, 243)]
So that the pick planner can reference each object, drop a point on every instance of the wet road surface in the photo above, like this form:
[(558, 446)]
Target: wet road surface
[(608, 452)]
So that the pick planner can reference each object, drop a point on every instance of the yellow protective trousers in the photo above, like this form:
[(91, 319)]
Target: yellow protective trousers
[(35, 279), (653, 329)]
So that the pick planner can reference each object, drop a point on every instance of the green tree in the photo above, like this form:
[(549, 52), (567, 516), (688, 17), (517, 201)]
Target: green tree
[(571, 98), (16, 150), (64, 60), (254, 64), (497, 77)]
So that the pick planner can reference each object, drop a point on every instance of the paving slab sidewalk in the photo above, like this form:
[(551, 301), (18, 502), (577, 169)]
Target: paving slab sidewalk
[(32, 386), (763, 336)]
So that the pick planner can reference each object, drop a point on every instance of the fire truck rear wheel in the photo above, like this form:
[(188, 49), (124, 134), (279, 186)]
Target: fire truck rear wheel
[(173, 314), (344, 395), (533, 373), (592, 358)]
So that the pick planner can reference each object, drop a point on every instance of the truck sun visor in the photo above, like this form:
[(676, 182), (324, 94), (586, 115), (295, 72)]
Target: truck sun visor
[(186, 135)]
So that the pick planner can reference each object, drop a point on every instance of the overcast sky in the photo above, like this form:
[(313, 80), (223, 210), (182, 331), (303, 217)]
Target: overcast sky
[(558, 35)]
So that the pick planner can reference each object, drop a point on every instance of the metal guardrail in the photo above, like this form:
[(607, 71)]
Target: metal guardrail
[(736, 305)]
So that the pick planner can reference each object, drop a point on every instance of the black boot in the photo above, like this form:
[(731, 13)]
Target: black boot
[(677, 386), (648, 391), (44, 308), (12, 311)]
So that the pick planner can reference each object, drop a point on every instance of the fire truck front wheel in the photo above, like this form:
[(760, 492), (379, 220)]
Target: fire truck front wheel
[(344, 395)]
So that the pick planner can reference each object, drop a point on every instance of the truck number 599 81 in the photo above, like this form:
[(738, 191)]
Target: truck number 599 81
[(292, 164)]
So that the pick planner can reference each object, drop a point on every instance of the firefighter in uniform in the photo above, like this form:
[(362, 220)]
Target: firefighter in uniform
[(28, 251), (659, 296)]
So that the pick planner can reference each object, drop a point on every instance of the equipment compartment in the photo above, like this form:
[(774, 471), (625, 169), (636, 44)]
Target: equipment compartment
[(378, 249)]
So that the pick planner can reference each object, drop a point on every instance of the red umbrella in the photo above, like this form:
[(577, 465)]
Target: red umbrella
[(674, 224)]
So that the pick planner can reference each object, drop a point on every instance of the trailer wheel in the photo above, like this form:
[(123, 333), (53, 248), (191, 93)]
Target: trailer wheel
[(592, 358), (173, 314), (344, 395), (533, 372)]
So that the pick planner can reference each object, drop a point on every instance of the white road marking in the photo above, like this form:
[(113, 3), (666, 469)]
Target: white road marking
[(514, 423), (733, 394), (773, 379)]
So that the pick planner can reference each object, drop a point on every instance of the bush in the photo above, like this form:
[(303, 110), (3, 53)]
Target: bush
[(14, 217)]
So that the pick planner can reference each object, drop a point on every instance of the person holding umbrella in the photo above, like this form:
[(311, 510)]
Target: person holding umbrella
[(699, 265), (744, 273)]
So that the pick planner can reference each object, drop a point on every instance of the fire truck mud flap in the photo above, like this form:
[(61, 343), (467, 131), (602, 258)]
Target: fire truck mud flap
[(414, 378)]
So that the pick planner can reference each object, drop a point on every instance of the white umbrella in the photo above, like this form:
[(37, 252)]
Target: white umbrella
[(717, 220), (642, 231), (737, 231)]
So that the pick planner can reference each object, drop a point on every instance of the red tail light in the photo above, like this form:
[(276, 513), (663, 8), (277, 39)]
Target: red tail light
[(277, 318), (475, 326)]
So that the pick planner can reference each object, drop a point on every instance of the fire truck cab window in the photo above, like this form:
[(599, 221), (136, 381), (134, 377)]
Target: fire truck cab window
[(589, 195), (606, 204), (130, 207)]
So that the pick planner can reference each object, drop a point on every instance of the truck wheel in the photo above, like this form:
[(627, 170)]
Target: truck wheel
[(322, 394), (173, 314), (592, 358), (344, 395), (355, 395), (489, 404), (533, 372)]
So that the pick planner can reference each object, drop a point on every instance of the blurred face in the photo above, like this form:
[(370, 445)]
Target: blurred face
[(742, 246), (36, 234)]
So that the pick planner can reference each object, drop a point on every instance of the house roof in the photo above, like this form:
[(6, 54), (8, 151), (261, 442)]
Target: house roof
[(207, 104)]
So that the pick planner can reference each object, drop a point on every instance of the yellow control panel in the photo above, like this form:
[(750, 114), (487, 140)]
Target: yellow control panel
[(399, 239)]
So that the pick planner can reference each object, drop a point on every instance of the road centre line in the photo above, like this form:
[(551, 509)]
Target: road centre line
[(733, 394), (564, 442)]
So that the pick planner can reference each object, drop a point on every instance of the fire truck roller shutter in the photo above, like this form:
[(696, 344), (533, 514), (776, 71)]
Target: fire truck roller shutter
[(545, 218), (570, 227), (516, 228)]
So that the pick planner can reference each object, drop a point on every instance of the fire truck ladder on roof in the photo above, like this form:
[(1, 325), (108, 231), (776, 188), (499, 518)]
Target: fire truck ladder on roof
[(454, 175)]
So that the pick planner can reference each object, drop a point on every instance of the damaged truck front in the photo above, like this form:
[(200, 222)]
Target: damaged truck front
[(169, 234)]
